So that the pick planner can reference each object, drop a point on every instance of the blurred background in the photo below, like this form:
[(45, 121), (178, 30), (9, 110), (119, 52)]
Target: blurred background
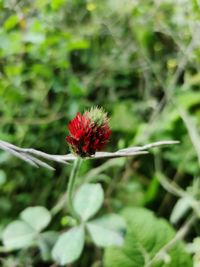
[(139, 60)]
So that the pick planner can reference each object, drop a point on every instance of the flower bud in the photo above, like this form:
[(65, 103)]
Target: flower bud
[(89, 132)]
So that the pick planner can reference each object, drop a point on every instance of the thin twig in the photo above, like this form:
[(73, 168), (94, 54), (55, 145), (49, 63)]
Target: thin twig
[(17, 154), (36, 157), (171, 186)]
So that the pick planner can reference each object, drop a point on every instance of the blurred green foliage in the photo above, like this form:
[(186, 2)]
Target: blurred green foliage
[(155, 234), (137, 59)]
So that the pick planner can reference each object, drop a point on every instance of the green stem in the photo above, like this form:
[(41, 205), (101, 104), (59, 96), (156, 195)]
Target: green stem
[(70, 186)]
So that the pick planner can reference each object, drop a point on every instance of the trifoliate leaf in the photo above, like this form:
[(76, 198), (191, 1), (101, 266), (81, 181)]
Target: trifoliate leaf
[(88, 200), (37, 217), (111, 221), (17, 235), (69, 246), (146, 235), (46, 241), (104, 237)]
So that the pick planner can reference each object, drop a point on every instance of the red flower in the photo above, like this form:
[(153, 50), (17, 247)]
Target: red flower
[(88, 132)]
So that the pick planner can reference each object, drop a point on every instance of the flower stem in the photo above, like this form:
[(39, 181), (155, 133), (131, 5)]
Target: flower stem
[(70, 186)]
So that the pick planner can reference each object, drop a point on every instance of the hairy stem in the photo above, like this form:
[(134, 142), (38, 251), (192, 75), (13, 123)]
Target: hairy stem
[(70, 186)]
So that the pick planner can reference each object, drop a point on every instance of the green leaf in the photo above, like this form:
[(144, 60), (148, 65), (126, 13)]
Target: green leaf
[(180, 209), (34, 37), (69, 246), (124, 118), (113, 222), (146, 235), (88, 200), (104, 237), (75, 87), (78, 44), (189, 99), (2, 177), (152, 190), (46, 242), (37, 217), (18, 235), (56, 4), (10, 22)]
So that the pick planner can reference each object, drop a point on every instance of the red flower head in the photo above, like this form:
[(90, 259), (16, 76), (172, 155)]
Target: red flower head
[(88, 132)]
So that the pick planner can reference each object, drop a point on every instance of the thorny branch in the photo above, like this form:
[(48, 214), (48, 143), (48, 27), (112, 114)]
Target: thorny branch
[(38, 158)]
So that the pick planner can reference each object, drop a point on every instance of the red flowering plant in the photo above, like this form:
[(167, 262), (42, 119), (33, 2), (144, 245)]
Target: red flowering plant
[(89, 132), (88, 135)]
